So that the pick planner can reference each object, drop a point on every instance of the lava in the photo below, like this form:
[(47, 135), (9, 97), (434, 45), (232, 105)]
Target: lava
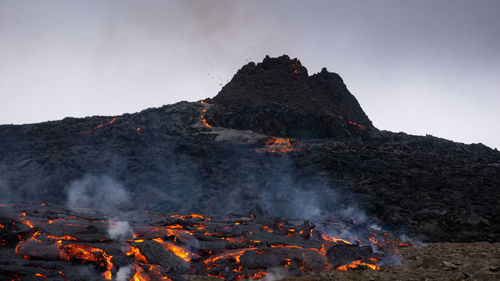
[(383, 241), (152, 272), (202, 116), (356, 264), (358, 125), (137, 254), (87, 253), (190, 216), (99, 126), (327, 237), (275, 144), (64, 237), (176, 249), (188, 236)]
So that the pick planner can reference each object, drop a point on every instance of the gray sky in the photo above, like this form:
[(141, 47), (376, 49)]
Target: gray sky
[(422, 67)]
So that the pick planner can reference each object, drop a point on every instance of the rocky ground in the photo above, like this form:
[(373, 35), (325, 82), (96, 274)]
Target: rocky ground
[(435, 261), (276, 139), (50, 241)]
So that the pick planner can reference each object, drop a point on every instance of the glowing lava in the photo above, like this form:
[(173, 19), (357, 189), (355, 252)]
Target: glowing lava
[(356, 264), (275, 144), (99, 126)]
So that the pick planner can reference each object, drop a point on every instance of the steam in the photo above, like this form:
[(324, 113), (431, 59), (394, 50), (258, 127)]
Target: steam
[(101, 193), (120, 230), (275, 274), (123, 273), (354, 214)]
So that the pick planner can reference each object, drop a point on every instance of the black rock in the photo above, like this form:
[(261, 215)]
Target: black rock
[(344, 254), (277, 97)]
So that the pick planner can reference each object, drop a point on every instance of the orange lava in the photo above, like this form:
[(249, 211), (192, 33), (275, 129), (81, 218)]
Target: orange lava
[(275, 144), (152, 272), (87, 253), (333, 239), (356, 264), (204, 120), (99, 126), (173, 238), (137, 254), (358, 125), (176, 249), (64, 237), (234, 254), (190, 216)]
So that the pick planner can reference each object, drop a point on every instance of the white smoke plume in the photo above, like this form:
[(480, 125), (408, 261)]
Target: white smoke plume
[(120, 230), (123, 273), (275, 274), (101, 193)]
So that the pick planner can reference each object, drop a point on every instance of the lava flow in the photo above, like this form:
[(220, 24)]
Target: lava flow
[(99, 126), (227, 247), (202, 116), (275, 144)]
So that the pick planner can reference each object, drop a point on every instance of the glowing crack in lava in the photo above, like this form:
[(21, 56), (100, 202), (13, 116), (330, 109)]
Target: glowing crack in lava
[(230, 248), (90, 254), (356, 264), (99, 126), (202, 116), (358, 125), (275, 144), (361, 127)]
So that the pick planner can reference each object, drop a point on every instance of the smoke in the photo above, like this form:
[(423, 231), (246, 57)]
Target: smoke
[(104, 194), (352, 213), (100, 193), (275, 274), (120, 230), (123, 273)]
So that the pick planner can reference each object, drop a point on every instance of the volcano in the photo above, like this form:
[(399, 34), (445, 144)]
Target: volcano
[(278, 98), (280, 170)]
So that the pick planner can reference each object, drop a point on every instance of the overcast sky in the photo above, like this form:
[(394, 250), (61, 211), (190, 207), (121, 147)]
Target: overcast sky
[(422, 67)]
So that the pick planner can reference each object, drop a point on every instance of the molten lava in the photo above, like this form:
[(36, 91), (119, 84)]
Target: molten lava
[(356, 264), (176, 249), (275, 144), (99, 126), (87, 253), (228, 248), (202, 116)]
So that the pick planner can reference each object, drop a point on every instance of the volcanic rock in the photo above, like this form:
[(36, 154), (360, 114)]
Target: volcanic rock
[(277, 97), (342, 254), (190, 157), (155, 254)]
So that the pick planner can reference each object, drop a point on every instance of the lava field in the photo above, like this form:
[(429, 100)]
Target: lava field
[(56, 243), (282, 171)]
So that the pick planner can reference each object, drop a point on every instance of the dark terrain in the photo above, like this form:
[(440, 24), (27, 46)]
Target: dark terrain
[(217, 156), (279, 175)]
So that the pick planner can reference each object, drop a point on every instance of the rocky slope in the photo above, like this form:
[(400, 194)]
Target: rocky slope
[(436, 261), (277, 97), (219, 156)]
